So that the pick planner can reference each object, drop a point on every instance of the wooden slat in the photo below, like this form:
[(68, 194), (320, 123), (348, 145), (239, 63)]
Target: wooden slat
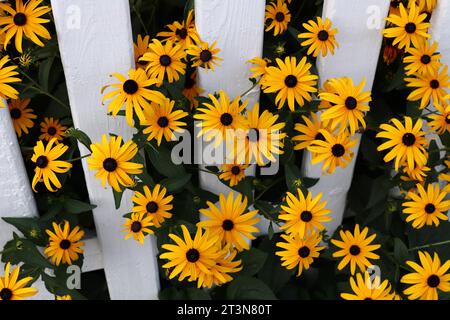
[(95, 40)]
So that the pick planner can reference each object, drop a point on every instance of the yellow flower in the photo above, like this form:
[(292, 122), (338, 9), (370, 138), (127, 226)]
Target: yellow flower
[(427, 277), (309, 132), (64, 245), (138, 226), (26, 20), (355, 248), (165, 60), (369, 289), (426, 207), (204, 55), (229, 222), (141, 48), (440, 122), (405, 141), (155, 204), (408, 27), (277, 17), (132, 92), (65, 297), (184, 33), (7, 76), (162, 121), (14, 288), (423, 60), (47, 164), (320, 37), (191, 89), (417, 174), (299, 252), (259, 68), (233, 173), (425, 5), (21, 115), (303, 216), (219, 273), (111, 160), (52, 129), (292, 82)]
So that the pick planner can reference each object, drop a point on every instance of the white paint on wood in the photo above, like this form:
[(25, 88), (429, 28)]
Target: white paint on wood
[(360, 24), (95, 40)]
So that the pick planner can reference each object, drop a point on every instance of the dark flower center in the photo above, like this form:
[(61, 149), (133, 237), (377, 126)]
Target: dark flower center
[(51, 131), (279, 16), (181, 33), (205, 55), (434, 84), (165, 60), (15, 113), (351, 103), (253, 135), (323, 35), (235, 170), (110, 164), (447, 119), (430, 208), (428, 17), (290, 81), (130, 86), (20, 19), (303, 252), (306, 216), (395, 3), (163, 122), (338, 150), (227, 225), (136, 226), (426, 59), (141, 62), (189, 84), (42, 162), (320, 137), (433, 281), (192, 255), (410, 27), (65, 244), (408, 139), (151, 207), (6, 294), (355, 250), (226, 119)]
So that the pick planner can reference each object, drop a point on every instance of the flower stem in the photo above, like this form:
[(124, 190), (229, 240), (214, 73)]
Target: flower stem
[(430, 245)]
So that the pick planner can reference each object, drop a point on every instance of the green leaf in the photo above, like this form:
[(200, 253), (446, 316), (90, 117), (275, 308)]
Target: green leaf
[(82, 137), (247, 288), (176, 184), (21, 250), (76, 206), (161, 160), (117, 198), (293, 177), (30, 228), (252, 261), (58, 287), (44, 72), (401, 253)]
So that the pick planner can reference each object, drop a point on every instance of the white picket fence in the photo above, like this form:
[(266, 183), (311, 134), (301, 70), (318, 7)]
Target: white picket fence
[(95, 40)]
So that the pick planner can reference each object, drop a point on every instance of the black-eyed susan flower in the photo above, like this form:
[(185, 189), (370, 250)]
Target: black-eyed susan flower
[(426, 207), (408, 27), (25, 20), (219, 116), (141, 48), (406, 143), (419, 173), (189, 258), (204, 55), (183, 33), (229, 221), (355, 249), (348, 104), (191, 90), (429, 86), (428, 277), (7, 75), (334, 151), (47, 164), (304, 215), (320, 37), (64, 244), (259, 66), (440, 122), (277, 17), (12, 287), (308, 132), (220, 272), (155, 204), (164, 60), (299, 252), (138, 226), (422, 60), (390, 52), (162, 121), (52, 129), (366, 287), (425, 5), (21, 115), (262, 141), (291, 81), (133, 93), (111, 161), (233, 173)]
